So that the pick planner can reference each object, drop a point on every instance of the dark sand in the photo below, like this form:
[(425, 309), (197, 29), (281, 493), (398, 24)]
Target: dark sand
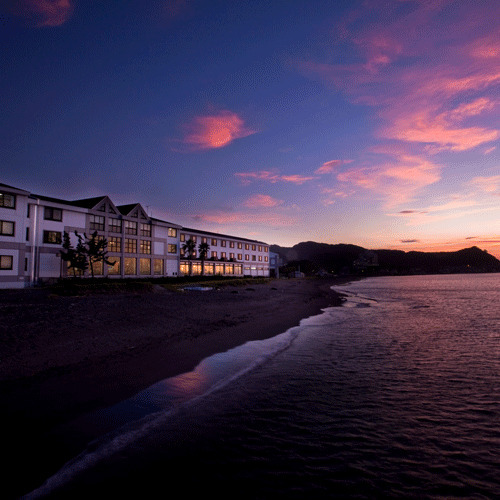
[(64, 356)]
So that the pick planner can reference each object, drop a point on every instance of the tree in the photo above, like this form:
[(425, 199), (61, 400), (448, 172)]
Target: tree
[(75, 257), (189, 249), (88, 252), (203, 249), (96, 249)]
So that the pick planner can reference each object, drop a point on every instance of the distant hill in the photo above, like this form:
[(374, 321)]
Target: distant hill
[(341, 258)]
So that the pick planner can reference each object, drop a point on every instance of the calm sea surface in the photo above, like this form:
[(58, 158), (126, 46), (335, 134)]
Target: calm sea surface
[(394, 395)]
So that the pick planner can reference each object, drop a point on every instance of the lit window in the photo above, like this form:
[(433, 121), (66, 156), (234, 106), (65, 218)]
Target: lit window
[(240, 256), (6, 228), (247, 257), (97, 222), (254, 247), (6, 262), (266, 258), (172, 232), (214, 242), (214, 255), (114, 244), (145, 246), (222, 243), (231, 244), (158, 266), (145, 266), (51, 213), (183, 237), (52, 237), (116, 268), (130, 245), (204, 240), (260, 248), (247, 246), (130, 265), (172, 248), (7, 200), (223, 255)]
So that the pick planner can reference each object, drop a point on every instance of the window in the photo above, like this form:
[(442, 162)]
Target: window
[(214, 242), (129, 265), (240, 245), (253, 247), (247, 257), (116, 269), (52, 237), (115, 225), (223, 255), (145, 246), (158, 266), (51, 213), (130, 245), (183, 237), (130, 227), (222, 243), (7, 200), (219, 268), (114, 244), (240, 256), (193, 238), (6, 228), (266, 258), (247, 246), (98, 267), (172, 232), (254, 257), (231, 244), (145, 229), (6, 262), (231, 255), (260, 248), (266, 249), (204, 239), (260, 258), (214, 255), (145, 266), (97, 222), (171, 248)]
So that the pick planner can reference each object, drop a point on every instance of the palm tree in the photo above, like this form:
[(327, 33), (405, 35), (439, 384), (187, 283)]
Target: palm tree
[(189, 249), (203, 249)]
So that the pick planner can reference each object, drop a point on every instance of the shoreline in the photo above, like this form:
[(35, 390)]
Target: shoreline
[(64, 357)]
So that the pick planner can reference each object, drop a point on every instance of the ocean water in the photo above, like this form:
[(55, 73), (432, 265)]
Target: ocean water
[(394, 395)]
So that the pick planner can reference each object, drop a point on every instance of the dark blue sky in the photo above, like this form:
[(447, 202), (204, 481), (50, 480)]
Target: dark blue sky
[(373, 123)]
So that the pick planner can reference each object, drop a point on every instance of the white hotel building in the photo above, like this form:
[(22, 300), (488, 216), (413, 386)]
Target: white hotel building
[(32, 227)]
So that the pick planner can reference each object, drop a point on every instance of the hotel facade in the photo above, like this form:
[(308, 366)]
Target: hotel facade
[(32, 228)]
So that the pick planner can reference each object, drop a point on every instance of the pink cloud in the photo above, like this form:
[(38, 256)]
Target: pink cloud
[(272, 177), (395, 182), (262, 201), (215, 130), (44, 12), (427, 74), (270, 219), (489, 185), (331, 166)]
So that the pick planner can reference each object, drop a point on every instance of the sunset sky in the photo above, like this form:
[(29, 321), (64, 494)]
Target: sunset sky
[(367, 122)]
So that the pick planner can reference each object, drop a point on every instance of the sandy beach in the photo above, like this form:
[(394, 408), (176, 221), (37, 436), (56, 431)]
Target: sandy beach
[(64, 356)]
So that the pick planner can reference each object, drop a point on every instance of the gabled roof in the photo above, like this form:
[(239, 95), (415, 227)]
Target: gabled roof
[(88, 202), (134, 210)]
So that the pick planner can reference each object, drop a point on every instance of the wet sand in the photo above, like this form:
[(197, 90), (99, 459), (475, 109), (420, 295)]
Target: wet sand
[(64, 356)]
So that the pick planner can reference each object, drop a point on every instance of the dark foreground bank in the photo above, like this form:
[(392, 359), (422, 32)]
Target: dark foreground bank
[(63, 356)]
